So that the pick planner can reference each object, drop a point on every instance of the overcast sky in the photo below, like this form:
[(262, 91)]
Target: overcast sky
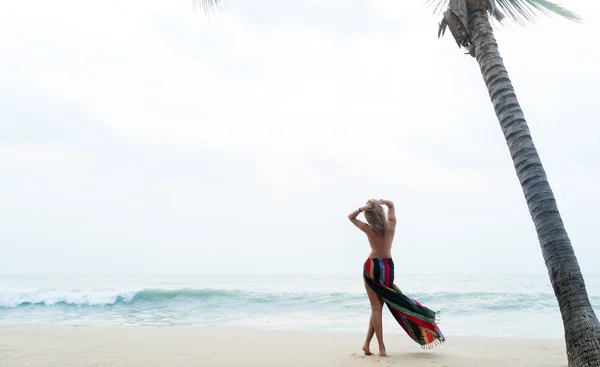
[(142, 136)]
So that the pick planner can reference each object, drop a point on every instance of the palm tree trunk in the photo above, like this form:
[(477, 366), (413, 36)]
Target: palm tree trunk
[(581, 326)]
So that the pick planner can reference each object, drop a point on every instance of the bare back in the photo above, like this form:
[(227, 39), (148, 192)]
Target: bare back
[(381, 246)]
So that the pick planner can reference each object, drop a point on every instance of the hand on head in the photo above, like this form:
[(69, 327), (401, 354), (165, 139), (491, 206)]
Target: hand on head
[(372, 203)]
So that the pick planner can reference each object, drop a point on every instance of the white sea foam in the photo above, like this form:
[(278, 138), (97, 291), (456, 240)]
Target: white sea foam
[(85, 297), (468, 305)]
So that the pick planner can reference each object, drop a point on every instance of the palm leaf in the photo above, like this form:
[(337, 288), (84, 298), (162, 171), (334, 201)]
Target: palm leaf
[(206, 5), (526, 10), (519, 11)]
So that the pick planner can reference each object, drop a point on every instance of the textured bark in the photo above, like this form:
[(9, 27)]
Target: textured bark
[(581, 326)]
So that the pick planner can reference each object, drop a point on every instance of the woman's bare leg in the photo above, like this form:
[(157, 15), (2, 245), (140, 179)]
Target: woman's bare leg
[(370, 332), (376, 322)]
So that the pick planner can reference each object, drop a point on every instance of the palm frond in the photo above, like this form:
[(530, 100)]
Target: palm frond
[(439, 6), (519, 11), (523, 11), (206, 5)]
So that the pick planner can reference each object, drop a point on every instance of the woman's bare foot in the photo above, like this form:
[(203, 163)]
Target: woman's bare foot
[(382, 352), (367, 350)]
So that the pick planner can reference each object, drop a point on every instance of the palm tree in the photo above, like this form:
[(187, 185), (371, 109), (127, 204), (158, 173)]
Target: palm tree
[(469, 23)]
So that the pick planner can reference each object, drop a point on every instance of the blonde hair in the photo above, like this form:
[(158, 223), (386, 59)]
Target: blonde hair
[(376, 217)]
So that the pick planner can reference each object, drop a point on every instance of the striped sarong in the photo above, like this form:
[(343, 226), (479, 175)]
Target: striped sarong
[(418, 321)]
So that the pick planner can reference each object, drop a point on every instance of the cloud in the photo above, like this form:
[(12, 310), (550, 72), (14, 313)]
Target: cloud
[(59, 166), (146, 128), (320, 93)]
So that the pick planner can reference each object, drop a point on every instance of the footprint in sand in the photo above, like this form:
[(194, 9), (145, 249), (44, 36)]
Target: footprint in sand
[(371, 357), (356, 355)]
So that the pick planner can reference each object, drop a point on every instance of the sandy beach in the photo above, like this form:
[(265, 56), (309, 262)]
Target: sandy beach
[(100, 346)]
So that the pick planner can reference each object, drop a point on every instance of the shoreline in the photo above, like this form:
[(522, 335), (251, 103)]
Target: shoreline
[(183, 346), (390, 328)]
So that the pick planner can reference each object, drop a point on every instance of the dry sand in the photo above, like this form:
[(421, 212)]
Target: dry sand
[(63, 346)]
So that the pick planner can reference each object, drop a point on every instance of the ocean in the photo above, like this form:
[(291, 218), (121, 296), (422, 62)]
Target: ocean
[(469, 305)]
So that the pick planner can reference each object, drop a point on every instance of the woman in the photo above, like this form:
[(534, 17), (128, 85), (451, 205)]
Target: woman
[(378, 273)]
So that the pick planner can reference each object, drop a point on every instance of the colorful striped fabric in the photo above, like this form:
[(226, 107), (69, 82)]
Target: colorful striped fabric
[(418, 321)]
